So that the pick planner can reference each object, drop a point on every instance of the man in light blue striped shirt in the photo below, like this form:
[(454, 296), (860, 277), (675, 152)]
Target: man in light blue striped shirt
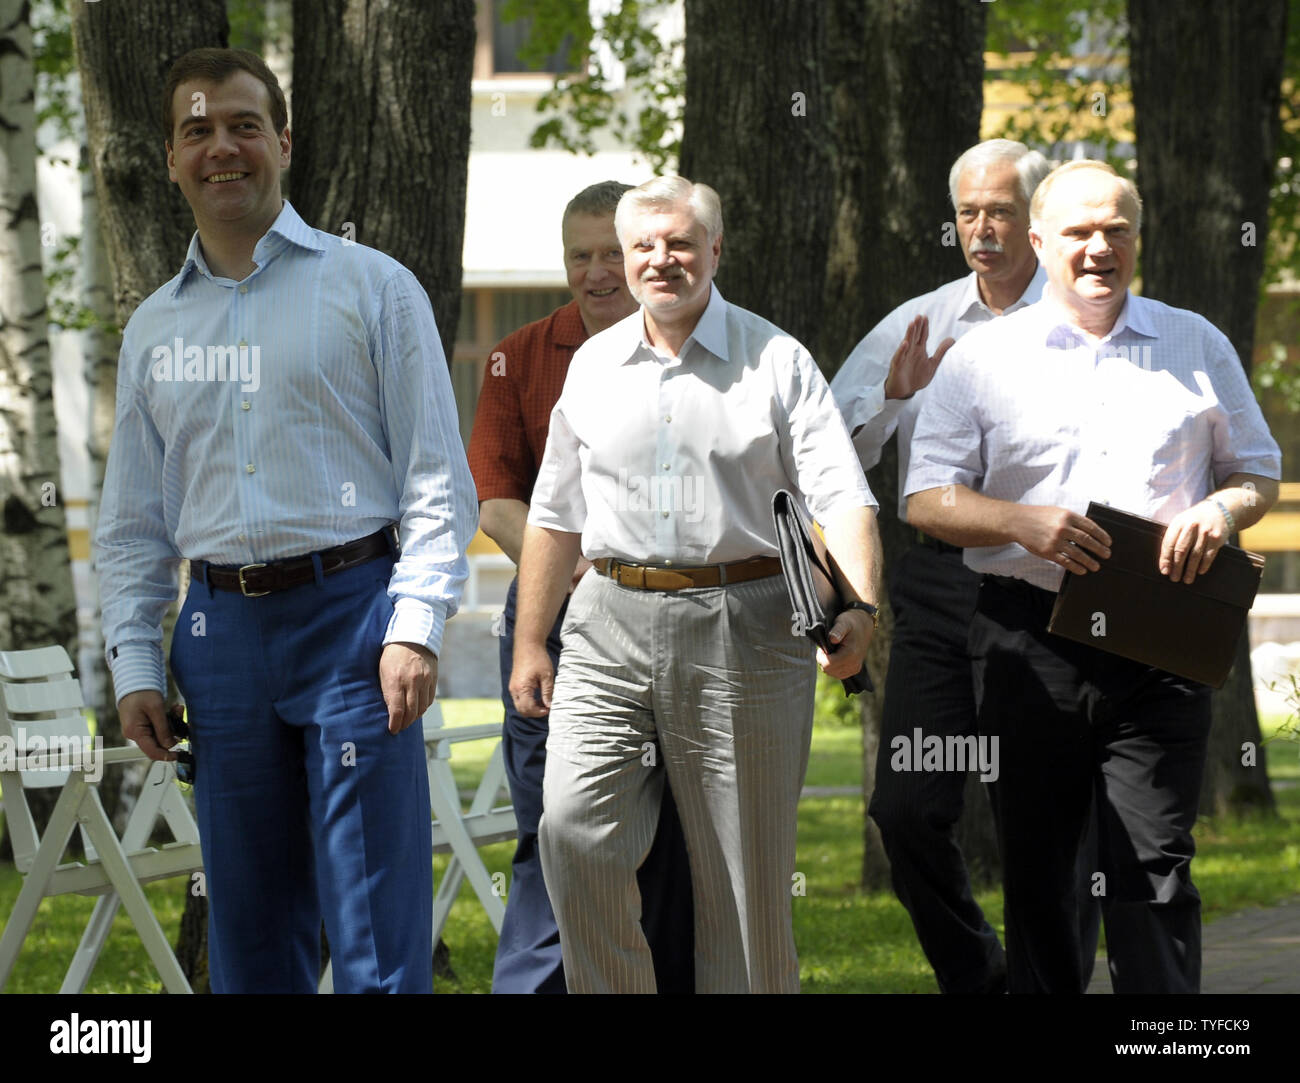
[(283, 404)]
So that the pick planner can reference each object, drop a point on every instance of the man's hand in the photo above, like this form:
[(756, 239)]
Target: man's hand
[(1062, 536), (532, 680), (579, 572), (408, 677), (144, 721), (911, 369), (851, 632), (1191, 541)]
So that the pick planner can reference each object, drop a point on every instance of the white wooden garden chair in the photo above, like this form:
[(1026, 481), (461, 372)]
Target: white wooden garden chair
[(41, 708)]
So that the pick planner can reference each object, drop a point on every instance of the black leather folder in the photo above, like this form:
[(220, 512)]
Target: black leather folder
[(814, 598), (1189, 629)]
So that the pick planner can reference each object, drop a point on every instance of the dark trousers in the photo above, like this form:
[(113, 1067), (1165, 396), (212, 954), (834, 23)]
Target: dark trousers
[(928, 686), (528, 953), (1080, 728)]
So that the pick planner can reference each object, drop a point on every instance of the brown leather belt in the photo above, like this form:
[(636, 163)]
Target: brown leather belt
[(661, 577), (255, 580)]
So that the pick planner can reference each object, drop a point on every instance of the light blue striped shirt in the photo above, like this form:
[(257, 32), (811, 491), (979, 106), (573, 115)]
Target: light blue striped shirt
[(307, 406)]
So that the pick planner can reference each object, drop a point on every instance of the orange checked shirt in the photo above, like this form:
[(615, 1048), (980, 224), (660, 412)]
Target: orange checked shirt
[(522, 383)]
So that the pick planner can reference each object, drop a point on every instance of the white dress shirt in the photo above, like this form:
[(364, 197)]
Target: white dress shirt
[(1151, 420), (655, 459), (339, 420), (859, 386)]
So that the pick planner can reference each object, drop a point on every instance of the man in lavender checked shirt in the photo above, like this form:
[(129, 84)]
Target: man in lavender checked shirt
[(1092, 394)]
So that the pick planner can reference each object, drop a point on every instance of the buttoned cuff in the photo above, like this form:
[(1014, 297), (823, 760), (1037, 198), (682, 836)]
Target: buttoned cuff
[(136, 667), (417, 622)]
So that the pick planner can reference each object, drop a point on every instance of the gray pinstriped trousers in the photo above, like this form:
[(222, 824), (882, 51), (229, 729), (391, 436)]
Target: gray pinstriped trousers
[(711, 686)]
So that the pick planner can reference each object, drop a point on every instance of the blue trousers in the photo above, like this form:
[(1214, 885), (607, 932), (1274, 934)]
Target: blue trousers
[(308, 807), (528, 953)]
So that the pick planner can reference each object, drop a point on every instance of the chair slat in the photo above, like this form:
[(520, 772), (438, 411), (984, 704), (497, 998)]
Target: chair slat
[(39, 696), (40, 662)]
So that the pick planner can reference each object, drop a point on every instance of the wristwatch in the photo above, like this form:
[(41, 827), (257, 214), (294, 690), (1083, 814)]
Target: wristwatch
[(866, 607)]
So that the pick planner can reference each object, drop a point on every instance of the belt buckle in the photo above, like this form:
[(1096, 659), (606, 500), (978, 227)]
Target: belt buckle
[(243, 586)]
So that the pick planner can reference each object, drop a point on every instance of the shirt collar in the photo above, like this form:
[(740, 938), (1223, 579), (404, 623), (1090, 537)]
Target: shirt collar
[(288, 228), (1060, 330), (972, 301), (710, 331)]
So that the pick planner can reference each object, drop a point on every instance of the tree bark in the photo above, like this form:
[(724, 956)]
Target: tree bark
[(381, 107), (1206, 91), (123, 54), (756, 71), (906, 81), (37, 602), (100, 347)]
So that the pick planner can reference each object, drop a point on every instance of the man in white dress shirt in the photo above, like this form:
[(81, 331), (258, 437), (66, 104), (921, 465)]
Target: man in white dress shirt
[(879, 390), (675, 428), (1093, 394)]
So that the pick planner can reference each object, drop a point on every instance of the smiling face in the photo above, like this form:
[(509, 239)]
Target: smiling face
[(228, 161), (593, 262), (1088, 245), (993, 224), (670, 262)]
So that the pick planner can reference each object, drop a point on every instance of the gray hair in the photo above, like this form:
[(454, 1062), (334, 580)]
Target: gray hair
[(662, 193), (1031, 166), (1037, 204), (597, 200)]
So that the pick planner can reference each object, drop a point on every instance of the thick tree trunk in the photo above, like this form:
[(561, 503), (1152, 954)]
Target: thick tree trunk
[(1206, 88), (123, 54), (381, 106), (890, 240), (757, 127), (37, 602)]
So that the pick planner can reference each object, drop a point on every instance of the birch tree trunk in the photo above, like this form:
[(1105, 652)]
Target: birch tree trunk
[(37, 602)]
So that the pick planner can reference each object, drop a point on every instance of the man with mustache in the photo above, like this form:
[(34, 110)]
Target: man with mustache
[(520, 387), (679, 653), (880, 389), (1094, 394)]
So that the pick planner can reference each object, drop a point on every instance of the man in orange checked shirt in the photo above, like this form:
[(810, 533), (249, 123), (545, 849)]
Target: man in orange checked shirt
[(522, 383)]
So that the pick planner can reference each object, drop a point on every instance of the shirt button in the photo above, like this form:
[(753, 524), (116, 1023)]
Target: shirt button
[(245, 405), (243, 289), (242, 343), (666, 466), (669, 417), (250, 468), (243, 537), (664, 514)]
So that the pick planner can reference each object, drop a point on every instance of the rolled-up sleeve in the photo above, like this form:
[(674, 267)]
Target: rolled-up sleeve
[(558, 502), (947, 443), (816, 447), (1242, 442)]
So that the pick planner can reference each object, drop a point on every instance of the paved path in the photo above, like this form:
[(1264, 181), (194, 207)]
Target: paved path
[(1254, 951)]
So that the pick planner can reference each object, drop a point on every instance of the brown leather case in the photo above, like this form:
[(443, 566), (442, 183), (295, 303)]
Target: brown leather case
[(1190, 629)]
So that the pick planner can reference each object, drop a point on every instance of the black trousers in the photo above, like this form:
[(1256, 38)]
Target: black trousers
[(929, 686), (1079, 728)]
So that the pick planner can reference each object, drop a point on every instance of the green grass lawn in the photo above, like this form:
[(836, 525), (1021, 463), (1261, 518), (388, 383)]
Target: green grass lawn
[(849, 941)]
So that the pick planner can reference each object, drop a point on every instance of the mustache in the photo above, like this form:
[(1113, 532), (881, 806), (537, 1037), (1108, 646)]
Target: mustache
[(978, 245)]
